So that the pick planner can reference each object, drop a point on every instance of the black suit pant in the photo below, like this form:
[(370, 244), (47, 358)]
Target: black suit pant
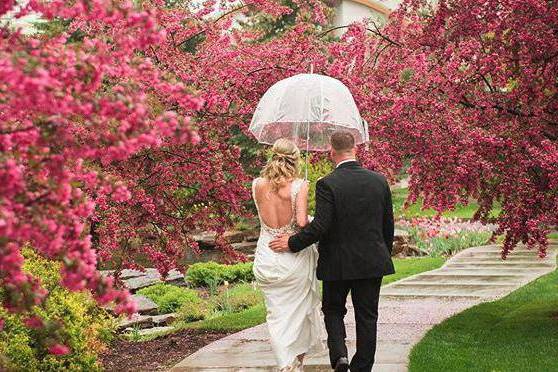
[(365, 295)]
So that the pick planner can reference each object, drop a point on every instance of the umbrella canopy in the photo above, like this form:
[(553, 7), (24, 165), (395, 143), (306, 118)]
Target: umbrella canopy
[(307, 108)]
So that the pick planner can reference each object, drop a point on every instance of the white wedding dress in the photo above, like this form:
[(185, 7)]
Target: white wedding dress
[(288, 281)]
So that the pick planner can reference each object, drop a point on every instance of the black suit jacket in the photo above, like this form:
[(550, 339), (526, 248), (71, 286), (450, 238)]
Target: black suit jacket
[(353, 224)]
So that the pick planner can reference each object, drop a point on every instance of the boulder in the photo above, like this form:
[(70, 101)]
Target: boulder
[(106, 273), (234, 236), (174, 277), (137, 321), (402, 246), (205, 239), (130, 273), (151, 276), (144, 305), (164, 320), (133, 284)]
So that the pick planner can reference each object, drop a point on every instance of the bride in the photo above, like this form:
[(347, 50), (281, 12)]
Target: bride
[(288, 280)]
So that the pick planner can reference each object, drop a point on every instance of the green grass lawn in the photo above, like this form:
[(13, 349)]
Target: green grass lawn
[(405, 267), (516, 333), (415, 210), (253, 316)]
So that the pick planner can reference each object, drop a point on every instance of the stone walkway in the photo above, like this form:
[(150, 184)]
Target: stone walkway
[(408, 309)]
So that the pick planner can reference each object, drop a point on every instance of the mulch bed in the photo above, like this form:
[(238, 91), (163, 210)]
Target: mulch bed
[(159, 354)]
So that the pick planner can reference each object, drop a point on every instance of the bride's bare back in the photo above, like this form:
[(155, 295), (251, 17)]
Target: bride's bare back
[(275, 207)]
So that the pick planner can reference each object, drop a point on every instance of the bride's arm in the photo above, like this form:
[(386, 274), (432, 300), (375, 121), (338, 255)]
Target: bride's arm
[(302, 205)]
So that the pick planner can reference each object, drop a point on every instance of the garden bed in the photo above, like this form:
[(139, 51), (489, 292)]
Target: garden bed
[(158, 354)]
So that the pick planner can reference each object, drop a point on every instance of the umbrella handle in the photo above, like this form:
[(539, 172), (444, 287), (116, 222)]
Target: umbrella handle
[(306, 168), (308, 136)]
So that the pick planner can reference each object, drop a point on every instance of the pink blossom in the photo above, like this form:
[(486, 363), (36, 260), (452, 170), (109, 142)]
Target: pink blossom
[(58, 349), (33, 322)]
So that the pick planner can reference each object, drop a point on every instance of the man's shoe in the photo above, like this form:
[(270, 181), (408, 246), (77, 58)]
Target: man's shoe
[(342, 365)]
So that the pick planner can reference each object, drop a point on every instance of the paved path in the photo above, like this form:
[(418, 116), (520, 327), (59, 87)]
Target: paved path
[(408, 309)]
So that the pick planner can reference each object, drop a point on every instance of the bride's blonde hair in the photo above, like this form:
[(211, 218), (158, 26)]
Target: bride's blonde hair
[(284, 164)]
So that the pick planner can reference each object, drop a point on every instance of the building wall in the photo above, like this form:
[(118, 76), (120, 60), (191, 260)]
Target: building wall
[(349, 11)]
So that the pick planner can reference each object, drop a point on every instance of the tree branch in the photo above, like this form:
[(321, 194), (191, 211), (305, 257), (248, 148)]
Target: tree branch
[(375, 32), (205, 29)]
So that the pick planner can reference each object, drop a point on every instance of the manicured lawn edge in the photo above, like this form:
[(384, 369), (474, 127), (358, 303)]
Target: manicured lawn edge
[(516, 333), (254, 316)]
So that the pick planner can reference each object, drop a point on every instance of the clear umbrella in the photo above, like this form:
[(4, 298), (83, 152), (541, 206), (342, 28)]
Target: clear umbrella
[(307, 108)]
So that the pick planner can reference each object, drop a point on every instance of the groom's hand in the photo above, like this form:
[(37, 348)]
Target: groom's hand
[(280, 244)]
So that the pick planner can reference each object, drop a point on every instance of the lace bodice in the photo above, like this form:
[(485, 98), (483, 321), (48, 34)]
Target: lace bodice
[(291, 227)]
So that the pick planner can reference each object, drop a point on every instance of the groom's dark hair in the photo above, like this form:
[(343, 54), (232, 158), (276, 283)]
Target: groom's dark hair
[(342, 140)]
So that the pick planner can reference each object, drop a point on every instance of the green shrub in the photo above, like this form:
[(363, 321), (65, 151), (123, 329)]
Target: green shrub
[(241, 272), (169, 297), (86, 327), (194, 310), (213, 274), (238, 298)]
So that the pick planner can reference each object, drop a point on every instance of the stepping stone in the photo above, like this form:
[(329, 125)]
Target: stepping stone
[(145, 305), (503, 264), (520, 257), (137, 321), (445, 290), (494, 270), (494, 256), (435, 282), (449, 277), (165, 319)]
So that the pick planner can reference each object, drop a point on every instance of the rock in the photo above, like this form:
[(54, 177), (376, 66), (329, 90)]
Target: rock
[(252, 236), (155, 330), (106, 273), (165, 319), (205, 239), (174, 276), (136, 321), (133, 284), (233, 236), (402, 246), (130, 273), (151, 276), (145, 305), (245, 247)]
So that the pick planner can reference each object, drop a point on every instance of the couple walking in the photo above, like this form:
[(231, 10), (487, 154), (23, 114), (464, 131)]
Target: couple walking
[(354, 226)]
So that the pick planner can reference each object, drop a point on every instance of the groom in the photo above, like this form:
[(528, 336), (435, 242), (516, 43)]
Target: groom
[(354, 227)]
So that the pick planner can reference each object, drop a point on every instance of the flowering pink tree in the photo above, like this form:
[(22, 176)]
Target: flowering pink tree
[(467, 94), (98, 161), (70, 110)]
